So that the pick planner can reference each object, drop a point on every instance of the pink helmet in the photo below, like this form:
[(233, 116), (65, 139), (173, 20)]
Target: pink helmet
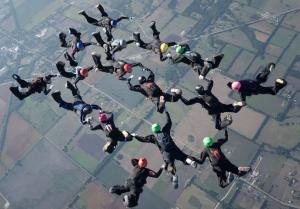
[(236, 85), (103, 117)]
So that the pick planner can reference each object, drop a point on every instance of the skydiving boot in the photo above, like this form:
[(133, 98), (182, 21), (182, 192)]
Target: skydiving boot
[(262, 77), (230, 178), (62, 39), (69, 58), (191, 162), (174, 180), (137, 38), (226, 122), (82, 12), (16, 92), (176, 91), (244, 170), (153, 28), (115, 190), (279, 84), (98, 38), (23, 83), (216, 61), (57, 97), (97, 60), (74, 32)]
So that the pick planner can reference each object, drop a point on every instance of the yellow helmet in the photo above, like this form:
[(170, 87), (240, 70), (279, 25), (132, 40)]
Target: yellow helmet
[(164, 47)]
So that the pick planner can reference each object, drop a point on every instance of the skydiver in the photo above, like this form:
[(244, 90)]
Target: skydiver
[(106, 124), (118, 67), (151, 90), (76, 43), (219, 162), (111, 47), (79, 106), (37, 85), (156, 45), (249, 87), (78, 73), (169, 150), (194, 59), (105, 22), (135, 183), (212, 104)]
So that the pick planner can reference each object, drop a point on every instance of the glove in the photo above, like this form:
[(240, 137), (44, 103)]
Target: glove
[(133, 134), (50, 87), (164, 166), (169, 55), (89, 119), (131, 18), (130, 77)]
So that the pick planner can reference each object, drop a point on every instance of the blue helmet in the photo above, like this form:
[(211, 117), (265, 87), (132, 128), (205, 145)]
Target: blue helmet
[(114, 23), (79, 45)]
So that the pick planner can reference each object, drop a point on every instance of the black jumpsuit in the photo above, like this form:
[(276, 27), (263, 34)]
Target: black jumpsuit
[(200, 66), (219, 162), (37, 85), (111, 132), (78, 104), (251, 87), (135, 183), (152, 91), (214, 107), (73, 44), (116, 67), (104, 22), (155, 44), (69, 74), (169, 150)]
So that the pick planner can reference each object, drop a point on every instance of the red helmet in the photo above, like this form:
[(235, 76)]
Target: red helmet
[(103, 117), (84, 72), (127, 68), (142, 162)]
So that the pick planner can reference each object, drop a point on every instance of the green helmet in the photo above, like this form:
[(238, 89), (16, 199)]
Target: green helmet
[(180, 49), (207, 142), (155, 128)]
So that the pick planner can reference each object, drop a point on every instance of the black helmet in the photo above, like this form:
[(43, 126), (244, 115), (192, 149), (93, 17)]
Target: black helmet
[(142, 79), (199, 89), (87, 109), (48, 79)]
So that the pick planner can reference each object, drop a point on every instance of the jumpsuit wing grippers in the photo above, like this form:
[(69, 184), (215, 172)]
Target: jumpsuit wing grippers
[(15, 91), (62, 38)]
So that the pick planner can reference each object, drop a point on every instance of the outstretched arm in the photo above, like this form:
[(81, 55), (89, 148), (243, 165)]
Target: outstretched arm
[(223, 140), (147, 139), (96, 127), (151, 77), (168, 125), (154, 174), (136, 88), (191, 101), (203, 156), (210, 85)]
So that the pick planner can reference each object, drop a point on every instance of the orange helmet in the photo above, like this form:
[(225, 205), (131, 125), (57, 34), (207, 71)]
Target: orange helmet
[(84, 72), (127, 68), (142, 162)]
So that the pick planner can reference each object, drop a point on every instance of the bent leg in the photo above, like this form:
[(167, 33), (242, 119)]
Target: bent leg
[(89, 19), (61, 69), (57, 98), (101, 10)]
